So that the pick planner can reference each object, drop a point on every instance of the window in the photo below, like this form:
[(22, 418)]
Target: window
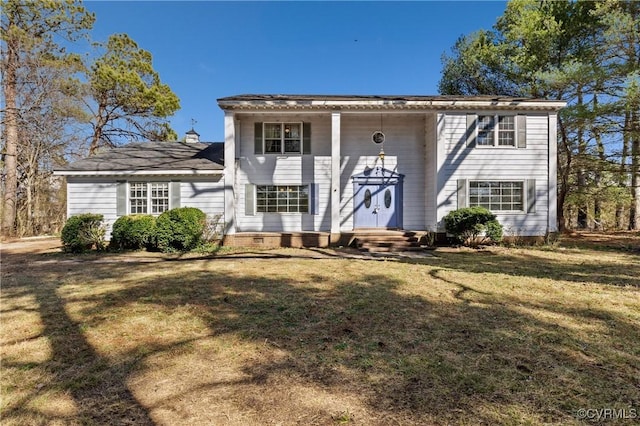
[(159, 197), (485, 130), (506, 130), (497, 195), (283, 138), (138, 197), (282, 199), (503, 135), (148, 197)]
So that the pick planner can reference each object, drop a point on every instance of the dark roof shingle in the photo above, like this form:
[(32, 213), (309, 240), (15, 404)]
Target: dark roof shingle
[(152, 156)]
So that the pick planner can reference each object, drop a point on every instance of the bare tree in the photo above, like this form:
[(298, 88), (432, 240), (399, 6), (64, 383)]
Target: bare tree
[(28, 30)]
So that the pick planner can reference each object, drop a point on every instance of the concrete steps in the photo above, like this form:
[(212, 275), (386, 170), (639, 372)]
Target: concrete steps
[(380, 241)]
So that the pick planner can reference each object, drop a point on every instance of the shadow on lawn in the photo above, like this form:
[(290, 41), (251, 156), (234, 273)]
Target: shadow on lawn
[(473, 358), (98, 388), (530, 263)]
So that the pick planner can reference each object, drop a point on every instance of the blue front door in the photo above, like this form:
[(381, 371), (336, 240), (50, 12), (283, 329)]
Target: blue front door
[(377, 196), (375, 207)]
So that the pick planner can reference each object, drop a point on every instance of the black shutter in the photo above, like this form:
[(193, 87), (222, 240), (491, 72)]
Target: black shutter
[(314, 201), (462, 193), (531, 195), (522, 131), (257, 142), (249, 200), (472, 119), (121, 198), (174, 191), (306, 138)]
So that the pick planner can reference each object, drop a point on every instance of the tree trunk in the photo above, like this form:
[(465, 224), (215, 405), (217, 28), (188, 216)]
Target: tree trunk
[(11, 138), (97, 131), (563, 178), (623, 173), (634, 214), (582, 176), (597, 201)]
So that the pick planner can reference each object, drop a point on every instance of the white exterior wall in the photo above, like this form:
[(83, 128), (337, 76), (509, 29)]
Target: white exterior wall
[(273, 169), (457, 161), (431, 170), (404, 149), (431, 175), (87, 195), (207, 196), (404, 153), (99, 195)]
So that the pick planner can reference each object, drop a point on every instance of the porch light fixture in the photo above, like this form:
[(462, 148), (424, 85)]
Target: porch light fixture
[(381, 154)]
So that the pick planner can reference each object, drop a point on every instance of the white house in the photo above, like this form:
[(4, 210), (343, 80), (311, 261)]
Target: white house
[(307, 169)]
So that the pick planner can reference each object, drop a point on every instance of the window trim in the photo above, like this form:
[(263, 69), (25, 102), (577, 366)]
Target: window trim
[(496, 131), (257, 206), (149, 198), (523, 189), (282, 138)]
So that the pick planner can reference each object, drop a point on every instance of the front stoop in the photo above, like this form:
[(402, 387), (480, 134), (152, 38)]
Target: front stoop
[(378, 241)]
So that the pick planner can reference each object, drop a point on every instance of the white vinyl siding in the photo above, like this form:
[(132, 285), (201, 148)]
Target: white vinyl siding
[(459, 161), (91, 196), (283, 170), (431, 169), (207, 196), (404, 149), (99, 195)]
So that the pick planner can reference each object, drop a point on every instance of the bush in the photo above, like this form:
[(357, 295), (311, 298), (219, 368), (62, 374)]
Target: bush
[(134, 232), (83, 232), (180, 229), (468, 224)]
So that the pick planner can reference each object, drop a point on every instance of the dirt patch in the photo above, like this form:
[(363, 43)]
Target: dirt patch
[(623, 240), (31, 245)]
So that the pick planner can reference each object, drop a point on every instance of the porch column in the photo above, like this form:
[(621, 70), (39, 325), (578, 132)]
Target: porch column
[(552, 188), (229, 173), (335, 176)]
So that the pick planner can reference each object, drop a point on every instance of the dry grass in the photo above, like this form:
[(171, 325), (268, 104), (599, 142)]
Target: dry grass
[(497, 336)]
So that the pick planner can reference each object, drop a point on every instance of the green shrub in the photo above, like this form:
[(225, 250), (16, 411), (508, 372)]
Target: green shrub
[(180, 229), (134, 232), (83, 232), (473, 225), (494, 230)]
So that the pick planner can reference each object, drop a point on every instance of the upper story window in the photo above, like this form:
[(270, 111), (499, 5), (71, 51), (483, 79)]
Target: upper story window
[(506, 130), (282, 138), (502, 134), (496, 130)]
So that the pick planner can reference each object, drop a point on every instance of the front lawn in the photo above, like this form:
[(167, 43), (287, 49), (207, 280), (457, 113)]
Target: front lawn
[(496, 336)]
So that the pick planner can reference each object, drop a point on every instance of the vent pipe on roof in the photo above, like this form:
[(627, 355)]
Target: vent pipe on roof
[(192, 136)]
